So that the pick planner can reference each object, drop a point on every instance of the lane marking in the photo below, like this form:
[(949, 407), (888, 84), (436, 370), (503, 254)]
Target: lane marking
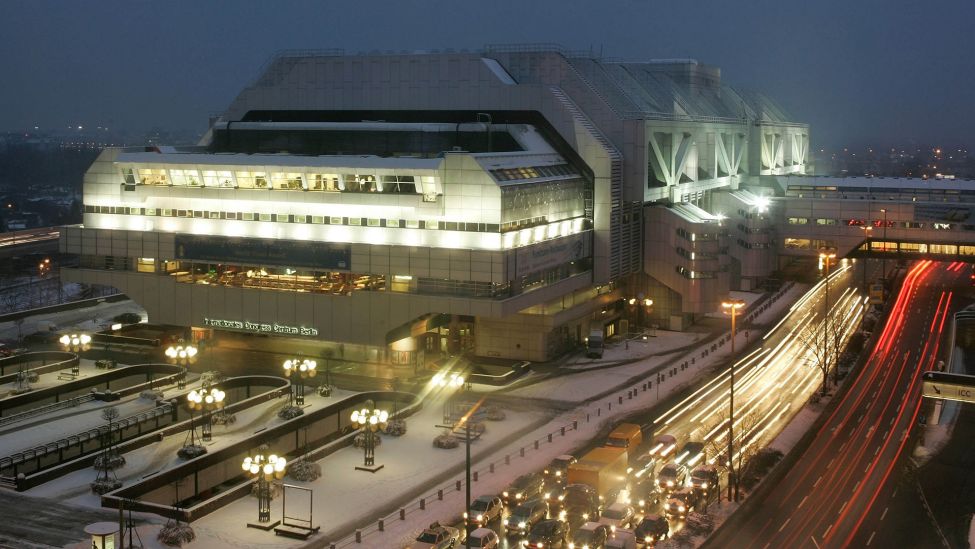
[(784, 524), (870, 540), (817, 481), (801, 503), (884, 514), (826, 533), (844, 506)]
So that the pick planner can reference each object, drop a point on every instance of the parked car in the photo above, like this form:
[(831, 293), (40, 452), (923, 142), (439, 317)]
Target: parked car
[(617, 515), (671, 477), (526, 515), (691, 454), (651, 529), (484, 538), (555, 472), (548, 533), (591, 535), (524, 488), (485, 510), (680, 503), (437, 536)]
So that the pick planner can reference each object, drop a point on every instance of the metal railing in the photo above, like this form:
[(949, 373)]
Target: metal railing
[(47, 408)]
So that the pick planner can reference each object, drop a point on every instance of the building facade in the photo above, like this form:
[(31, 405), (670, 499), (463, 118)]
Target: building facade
[(501, 203)]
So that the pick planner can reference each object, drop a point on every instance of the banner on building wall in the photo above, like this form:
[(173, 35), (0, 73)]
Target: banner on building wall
[(260, 252), (550, 254)]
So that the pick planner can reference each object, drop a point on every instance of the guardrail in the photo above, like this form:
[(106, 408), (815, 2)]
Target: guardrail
[(46, 409), (61, 360)]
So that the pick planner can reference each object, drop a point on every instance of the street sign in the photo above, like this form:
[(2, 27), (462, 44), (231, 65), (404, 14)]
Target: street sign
[(945, 386)]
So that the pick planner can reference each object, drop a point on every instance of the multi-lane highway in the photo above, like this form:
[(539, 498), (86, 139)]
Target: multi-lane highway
[(836, 495)]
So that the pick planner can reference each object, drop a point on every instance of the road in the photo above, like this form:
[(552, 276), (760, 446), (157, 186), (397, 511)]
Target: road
[(838, 493)]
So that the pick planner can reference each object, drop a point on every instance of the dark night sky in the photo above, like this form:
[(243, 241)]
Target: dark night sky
[(861, 72)]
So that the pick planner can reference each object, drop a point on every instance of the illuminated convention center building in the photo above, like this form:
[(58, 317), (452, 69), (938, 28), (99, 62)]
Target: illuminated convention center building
[(410, 206)]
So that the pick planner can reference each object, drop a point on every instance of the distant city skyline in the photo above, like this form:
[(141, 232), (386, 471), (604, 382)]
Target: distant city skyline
[(870, 73)]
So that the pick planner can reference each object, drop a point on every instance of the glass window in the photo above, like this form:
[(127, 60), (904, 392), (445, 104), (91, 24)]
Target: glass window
[(251, 180), (265, 217), (128, 176), (247, 216), (412, 224), (317, 219), (230, 215), (395, 223), (146, 265), (218, 178), (372, 222), (150, 211), (433, 225), (323, 182), (148, 176), (355, 221), (335, 220), (287, 181)]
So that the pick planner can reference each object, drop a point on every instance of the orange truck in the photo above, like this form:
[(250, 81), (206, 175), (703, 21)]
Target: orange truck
[(604, 469)]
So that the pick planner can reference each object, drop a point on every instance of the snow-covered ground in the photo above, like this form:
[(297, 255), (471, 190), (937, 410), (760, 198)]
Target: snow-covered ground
[(87, 319), (345, 499)]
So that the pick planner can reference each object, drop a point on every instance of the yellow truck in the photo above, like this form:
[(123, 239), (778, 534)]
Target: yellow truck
[(604, 469)]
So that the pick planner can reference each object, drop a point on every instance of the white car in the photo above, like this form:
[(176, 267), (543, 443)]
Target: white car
[(484, 538), (617, 515), (437, 537)]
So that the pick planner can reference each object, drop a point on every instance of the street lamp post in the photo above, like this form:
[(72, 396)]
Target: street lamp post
[(732, 306), (182, 355), (205, 399), (298, 370), (75, 342), (826, 256), (867, 233), (369, 422), (264, 469)]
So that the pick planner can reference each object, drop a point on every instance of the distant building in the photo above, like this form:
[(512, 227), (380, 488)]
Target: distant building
[(501, 203)]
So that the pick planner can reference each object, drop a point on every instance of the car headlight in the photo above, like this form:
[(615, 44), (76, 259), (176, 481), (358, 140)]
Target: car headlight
[(505, 493), (521, 525), (670, 483), (558, 473), (505, 522), (612, 528), (561, 515), (643, 502), (572, 545), (561, 497), (648, 539), (667, 505), (682, 508), (480, 517), (585, 516), (547, 495)]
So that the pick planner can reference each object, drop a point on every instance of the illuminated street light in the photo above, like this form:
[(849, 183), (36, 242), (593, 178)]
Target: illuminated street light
[(732, 306), (370, 422), (75, 342), (443, 379), (264, 469), (181, 354), (826, 256), (298, 370), (206, 399)]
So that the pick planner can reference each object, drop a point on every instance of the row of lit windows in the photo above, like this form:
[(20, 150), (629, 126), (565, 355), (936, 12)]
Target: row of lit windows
[(922, 248), (532, 172), (879, 223), (291, 218), (294, 181)]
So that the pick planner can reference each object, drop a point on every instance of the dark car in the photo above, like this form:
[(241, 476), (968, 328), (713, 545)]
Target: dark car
[(691, 454), (555, 473), (485, 509), (526, 515), (548, 533), (704, 479), (575, 517), (581, 496), (591, 535), (651, 529), (644, 494), (128, 318), (681, 503), (523, 488), (671, 477)]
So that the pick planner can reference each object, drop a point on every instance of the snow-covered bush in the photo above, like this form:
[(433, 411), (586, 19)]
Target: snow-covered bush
[(105, 485), (176, 533), (324, 390), (109, 462), (191, 451), (395, 427), (446, 441), (290, 412), (304, 471), (152, 395), (758, 466), (494, 413), (223, 419), (699, 524)]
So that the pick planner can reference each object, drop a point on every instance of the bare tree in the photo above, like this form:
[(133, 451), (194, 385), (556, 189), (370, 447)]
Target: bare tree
[(823, 344), (745, 444)]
